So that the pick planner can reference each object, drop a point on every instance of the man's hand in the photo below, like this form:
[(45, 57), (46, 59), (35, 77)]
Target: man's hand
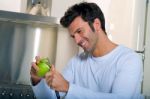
[(56, 81), (33, 72)]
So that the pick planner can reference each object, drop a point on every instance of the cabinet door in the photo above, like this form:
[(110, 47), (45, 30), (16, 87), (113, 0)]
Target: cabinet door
[(60, 6)]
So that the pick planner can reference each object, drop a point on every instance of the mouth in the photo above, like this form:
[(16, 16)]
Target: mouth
[(83, 44)]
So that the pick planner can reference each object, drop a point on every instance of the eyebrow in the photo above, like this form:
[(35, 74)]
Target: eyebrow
[(77, 30), (72, 35)]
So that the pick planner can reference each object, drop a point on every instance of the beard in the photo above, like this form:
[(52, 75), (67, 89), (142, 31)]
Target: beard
[(87, 52), (84, 55), (90, 49)]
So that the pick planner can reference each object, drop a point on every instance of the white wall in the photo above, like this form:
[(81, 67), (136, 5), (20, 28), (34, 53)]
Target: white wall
[(124, 21), (66, 48), (146, 82), (60, 6), (13, 5)]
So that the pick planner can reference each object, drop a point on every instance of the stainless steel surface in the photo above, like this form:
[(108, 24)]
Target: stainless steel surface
[(13, 91), (21, 42), (27, 18)]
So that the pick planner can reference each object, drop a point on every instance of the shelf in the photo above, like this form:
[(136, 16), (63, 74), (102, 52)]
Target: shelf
[(27, 18)]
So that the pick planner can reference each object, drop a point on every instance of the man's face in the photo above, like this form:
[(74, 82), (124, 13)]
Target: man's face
[(83, 34)]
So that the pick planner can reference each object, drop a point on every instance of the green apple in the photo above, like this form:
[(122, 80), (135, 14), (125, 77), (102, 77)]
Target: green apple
[(44, 60), (44, 67)]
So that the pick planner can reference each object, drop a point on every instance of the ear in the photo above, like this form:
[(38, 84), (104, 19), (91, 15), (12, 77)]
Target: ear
[(97, 24)]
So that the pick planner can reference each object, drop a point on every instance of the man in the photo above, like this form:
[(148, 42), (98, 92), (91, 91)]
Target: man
[(104, 70)]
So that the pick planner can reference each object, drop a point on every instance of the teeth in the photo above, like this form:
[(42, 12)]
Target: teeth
[(83, 43)]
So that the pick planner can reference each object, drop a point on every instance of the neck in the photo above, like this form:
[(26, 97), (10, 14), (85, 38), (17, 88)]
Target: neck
[(103, 46)]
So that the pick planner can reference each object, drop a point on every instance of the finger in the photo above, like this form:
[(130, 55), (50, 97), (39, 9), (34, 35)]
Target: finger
[(49, 82), (34, 66), (35, 77), (49, 78), (37, 58), (52, 68), (52, 84), (32, 70), (49, 75)]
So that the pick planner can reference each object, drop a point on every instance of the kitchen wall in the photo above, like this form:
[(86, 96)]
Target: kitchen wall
[(13, 5), (66, 47), (124, 19), (60, 6)]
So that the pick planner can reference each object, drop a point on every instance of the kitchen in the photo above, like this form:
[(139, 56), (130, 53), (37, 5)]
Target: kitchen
[(25, 29)]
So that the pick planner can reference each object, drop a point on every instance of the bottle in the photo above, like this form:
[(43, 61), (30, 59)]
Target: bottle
[(35, 9)]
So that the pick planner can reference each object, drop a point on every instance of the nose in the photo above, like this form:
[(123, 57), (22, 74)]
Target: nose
[(77, 38)]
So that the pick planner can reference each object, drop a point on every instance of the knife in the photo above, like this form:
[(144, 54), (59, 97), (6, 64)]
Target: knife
[(56, 92)]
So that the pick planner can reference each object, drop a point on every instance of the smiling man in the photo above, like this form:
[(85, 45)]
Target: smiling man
[(104, 70)]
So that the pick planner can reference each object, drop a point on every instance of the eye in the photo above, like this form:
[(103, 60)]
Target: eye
[(72, 36), (79, 31)]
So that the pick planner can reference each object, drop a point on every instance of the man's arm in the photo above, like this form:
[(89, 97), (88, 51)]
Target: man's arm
[(126, 85), (43, 91), (40, 88)]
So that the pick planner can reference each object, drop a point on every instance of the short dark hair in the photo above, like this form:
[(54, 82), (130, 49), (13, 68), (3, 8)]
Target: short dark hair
[(87, 11)]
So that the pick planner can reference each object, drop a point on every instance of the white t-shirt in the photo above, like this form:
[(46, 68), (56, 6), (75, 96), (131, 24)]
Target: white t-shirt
[(116, 75)]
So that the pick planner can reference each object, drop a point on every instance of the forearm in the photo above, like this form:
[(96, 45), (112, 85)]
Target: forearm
[(42, 91), (77, 92)]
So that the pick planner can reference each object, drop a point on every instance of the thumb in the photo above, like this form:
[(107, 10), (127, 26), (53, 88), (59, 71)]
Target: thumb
[(37, 58), (52, 68)]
